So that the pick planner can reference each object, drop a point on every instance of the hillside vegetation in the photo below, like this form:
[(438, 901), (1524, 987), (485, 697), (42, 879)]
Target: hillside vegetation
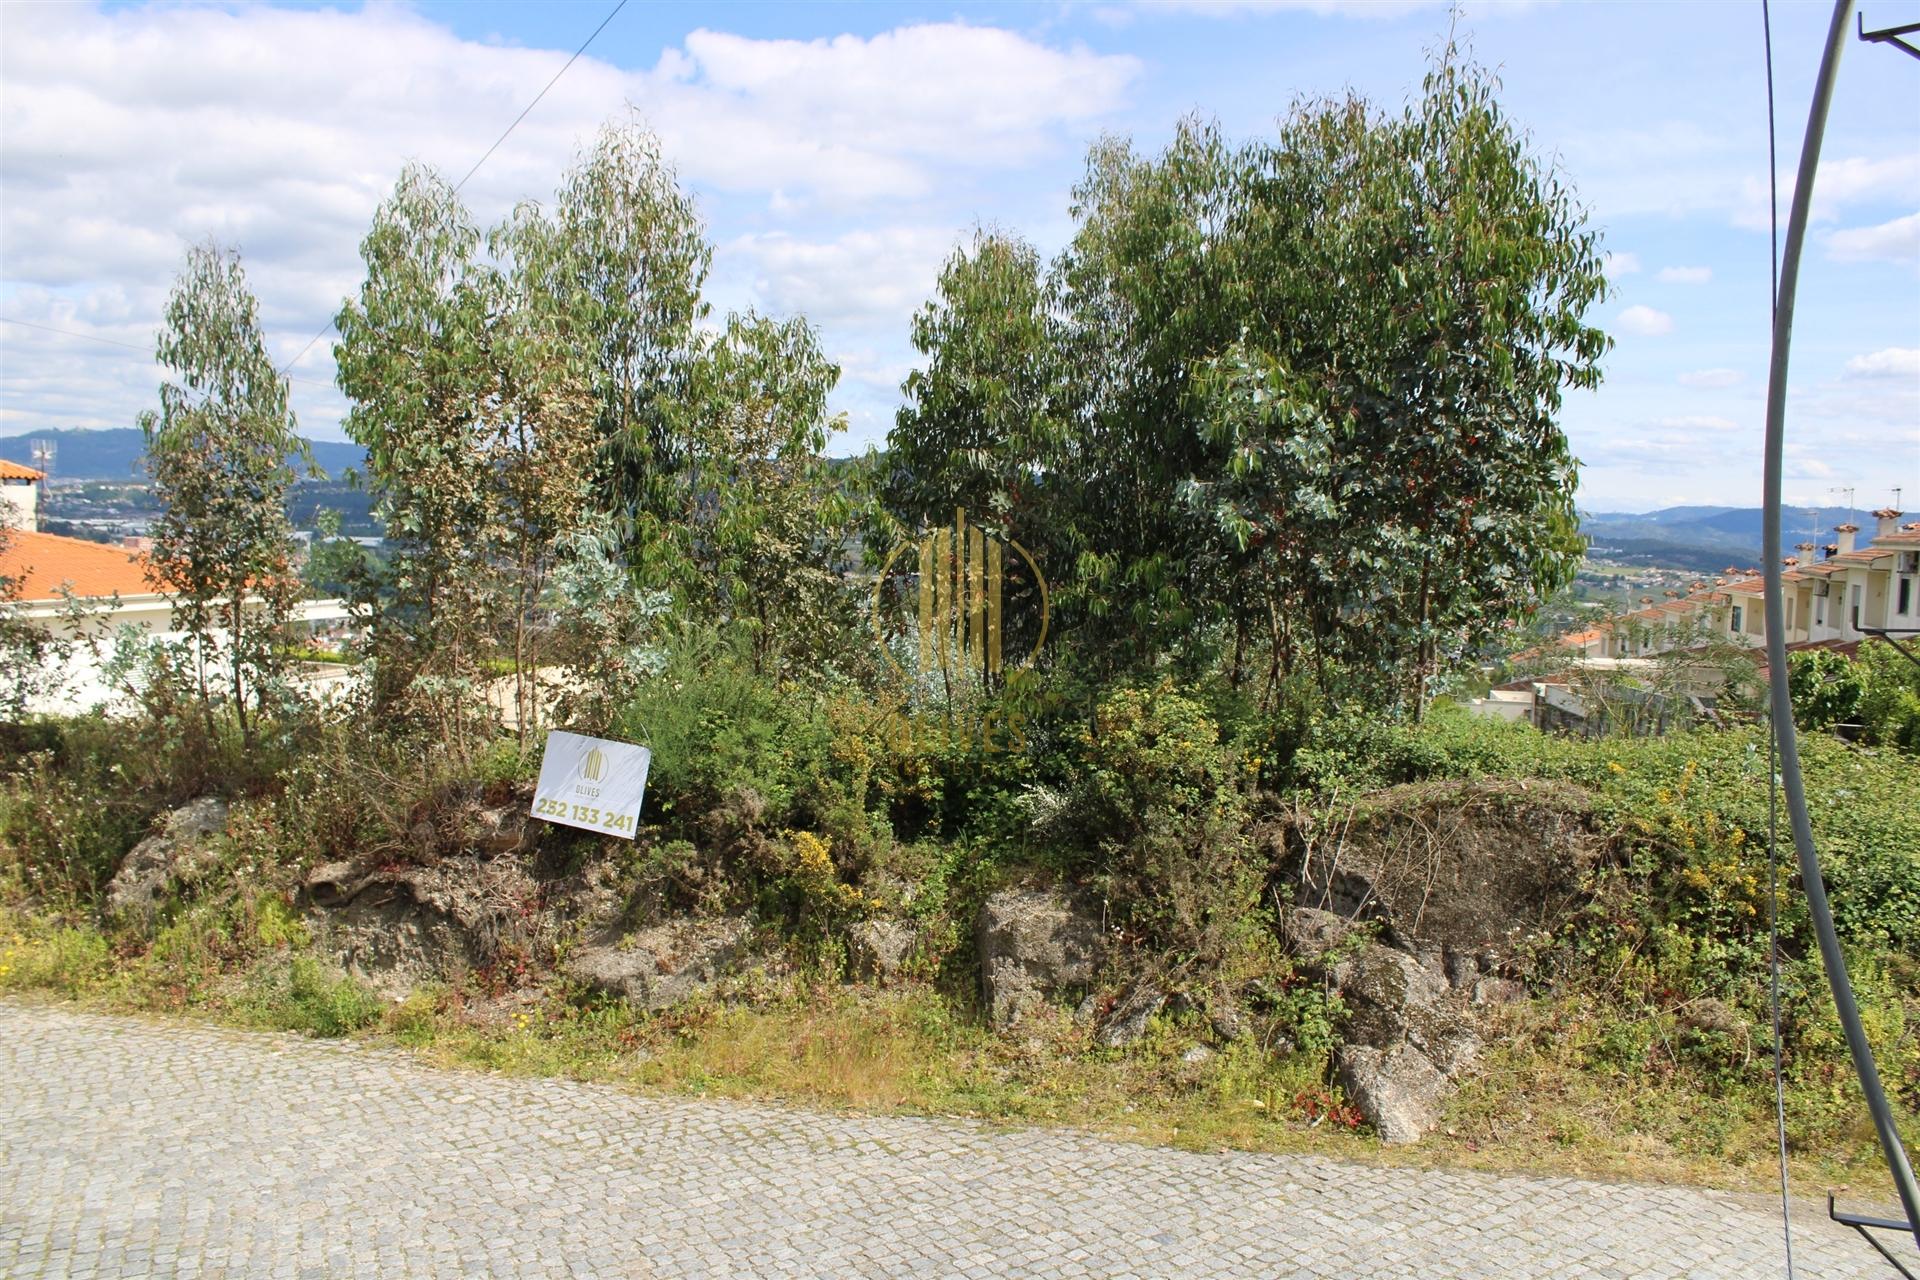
[(1173, 837)]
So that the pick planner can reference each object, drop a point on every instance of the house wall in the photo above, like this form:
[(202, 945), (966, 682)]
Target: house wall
[(20, 504)]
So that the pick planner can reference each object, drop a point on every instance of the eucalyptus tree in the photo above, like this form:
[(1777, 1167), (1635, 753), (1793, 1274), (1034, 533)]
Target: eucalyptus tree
[(410, 358), (1390, 414), (473, 387), (539, 438), (1142, 293), (220, 449), (1307, 390), (631, 263), (978, 429), (764, 520)]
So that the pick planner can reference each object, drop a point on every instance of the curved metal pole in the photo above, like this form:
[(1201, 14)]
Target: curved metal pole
[(1782, 704)]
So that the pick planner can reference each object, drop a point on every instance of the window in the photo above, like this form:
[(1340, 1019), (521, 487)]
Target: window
[(1738, 614), (1820, 610), (1906, 595), (1853, 615)]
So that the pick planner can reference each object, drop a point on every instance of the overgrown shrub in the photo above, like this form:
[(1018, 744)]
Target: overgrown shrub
[(1162, 804), (1826, 688)]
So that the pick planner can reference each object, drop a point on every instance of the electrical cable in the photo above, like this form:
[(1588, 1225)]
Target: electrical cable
[(611, 15), (130, 346), (1773, 751)]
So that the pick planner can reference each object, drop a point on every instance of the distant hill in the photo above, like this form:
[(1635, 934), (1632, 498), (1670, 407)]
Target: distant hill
[(1705, 539), (115, 453)]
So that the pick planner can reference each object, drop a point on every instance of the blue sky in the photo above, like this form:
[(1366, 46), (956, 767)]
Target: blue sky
[(839, 151)]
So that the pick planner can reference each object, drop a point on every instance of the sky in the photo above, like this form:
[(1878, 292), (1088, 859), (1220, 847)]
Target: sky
[(838, 153)]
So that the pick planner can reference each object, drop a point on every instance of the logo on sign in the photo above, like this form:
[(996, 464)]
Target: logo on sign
[(596, 784)]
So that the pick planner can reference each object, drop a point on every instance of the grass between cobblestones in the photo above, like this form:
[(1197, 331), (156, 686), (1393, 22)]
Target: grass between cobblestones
[(1530, 1107)]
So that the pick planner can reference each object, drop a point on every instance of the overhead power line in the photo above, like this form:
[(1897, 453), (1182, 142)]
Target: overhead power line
[(565, 67), (543, 93), (130, 346)]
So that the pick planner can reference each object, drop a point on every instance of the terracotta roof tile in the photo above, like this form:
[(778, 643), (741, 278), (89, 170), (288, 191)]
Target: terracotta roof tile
[(43, 562), (14, 471)]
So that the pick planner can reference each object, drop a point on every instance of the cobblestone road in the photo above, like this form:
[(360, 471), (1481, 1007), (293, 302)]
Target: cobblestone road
[(132, 1148)]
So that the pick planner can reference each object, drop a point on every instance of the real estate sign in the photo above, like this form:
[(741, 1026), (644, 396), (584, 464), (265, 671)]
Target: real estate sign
[(592, 783)]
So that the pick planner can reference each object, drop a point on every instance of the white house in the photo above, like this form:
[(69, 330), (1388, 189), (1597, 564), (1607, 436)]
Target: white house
[(79, 590), (19, 495)]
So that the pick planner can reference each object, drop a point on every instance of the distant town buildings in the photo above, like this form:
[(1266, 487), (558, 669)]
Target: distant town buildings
[(76, 590), (1835, 595)]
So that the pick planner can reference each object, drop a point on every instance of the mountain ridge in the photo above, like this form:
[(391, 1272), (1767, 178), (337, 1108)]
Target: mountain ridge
[(114, 453)]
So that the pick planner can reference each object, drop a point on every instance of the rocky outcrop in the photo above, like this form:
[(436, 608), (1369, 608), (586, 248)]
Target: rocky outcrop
[(182, 850), (1456, 873), (1406, 1039), (396, 927), (659, 967), (1036, 946), (877, 950), (1129, 1018)]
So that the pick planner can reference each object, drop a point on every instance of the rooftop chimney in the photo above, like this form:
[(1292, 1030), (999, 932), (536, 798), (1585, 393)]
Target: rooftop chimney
[(1846, 532), (1829, 551), (1889, 522)]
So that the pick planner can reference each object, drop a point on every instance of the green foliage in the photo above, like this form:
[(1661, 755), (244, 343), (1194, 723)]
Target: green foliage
[(1691, 810), (1162, 800), (477, 410), (217, 450), (1889, 705), (1329, 364), (977, 424), (721, 731), (1825, 686), (326, 1003)]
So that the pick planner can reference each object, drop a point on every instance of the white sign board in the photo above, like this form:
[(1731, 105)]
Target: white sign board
[(593, 783)]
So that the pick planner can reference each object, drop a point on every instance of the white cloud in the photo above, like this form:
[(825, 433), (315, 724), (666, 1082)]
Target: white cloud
[(1843, 183), (1893, 362), (860, 279), (848, 117), (1685, 275), (130, 133), (1715, 379), (1895, 241), (1658, 447), (1616, 265), (1645, 322)]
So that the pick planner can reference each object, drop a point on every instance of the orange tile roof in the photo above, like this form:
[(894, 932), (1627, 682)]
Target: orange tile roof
[(41, 563), (14, 471)]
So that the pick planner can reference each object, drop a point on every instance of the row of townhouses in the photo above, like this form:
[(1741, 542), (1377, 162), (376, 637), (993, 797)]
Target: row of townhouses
[(1836, 595)]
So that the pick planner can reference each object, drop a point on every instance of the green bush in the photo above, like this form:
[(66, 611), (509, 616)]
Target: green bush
[(718, 729), (1162, 805), (63, 832), (1826, 688), (1889, 705), (325, 1003)]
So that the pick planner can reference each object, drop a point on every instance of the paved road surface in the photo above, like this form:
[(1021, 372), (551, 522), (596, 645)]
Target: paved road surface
[(135, 1148)]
